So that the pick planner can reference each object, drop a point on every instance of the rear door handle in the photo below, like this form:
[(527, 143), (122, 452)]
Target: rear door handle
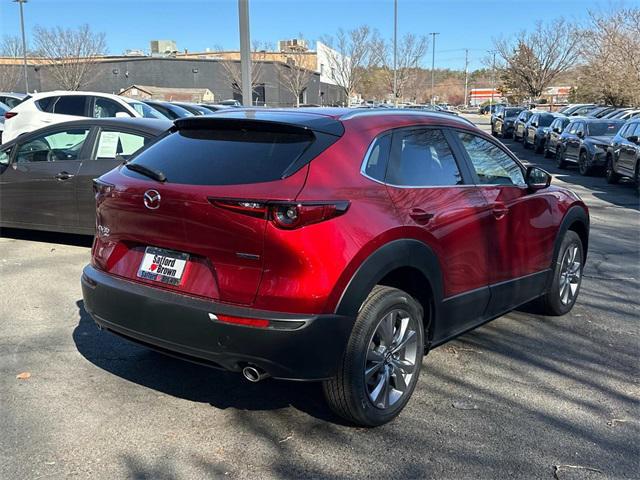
[(420, 216), (63, 176)]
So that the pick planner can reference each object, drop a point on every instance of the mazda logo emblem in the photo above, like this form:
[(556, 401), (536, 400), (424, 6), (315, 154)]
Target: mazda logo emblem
[(152, 199)]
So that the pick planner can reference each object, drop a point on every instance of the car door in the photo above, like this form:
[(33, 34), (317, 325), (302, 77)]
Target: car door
[(37, 188), (628, 149), (437, 203), (522, 232), (574, 139), (112, 147)]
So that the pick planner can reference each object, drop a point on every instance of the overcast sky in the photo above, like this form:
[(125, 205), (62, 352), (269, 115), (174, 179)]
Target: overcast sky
[(198, 24)]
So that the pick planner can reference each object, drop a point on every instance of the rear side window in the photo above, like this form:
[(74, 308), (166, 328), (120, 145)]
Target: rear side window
[(224, 156), (45, 104), (422, 158), (70, 105), (378, 158)]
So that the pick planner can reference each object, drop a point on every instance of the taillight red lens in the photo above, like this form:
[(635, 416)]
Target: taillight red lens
[(285, 215), (8, 115)]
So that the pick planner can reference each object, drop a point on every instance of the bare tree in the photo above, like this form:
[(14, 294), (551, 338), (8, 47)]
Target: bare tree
[(294, 72), (611, 71), (70, 55), (411, 50), (10, 47), (233, 72), (533, 60), (349, 55)]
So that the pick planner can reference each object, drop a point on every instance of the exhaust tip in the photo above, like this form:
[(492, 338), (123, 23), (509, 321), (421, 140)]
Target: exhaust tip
[(254, 374)]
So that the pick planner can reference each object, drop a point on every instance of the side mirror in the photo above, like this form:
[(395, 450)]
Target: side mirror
[(580, 134), (537, 178), (633, 139)]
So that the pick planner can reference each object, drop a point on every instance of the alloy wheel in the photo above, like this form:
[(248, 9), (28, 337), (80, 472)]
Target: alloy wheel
[(391, 358), (570, 273)]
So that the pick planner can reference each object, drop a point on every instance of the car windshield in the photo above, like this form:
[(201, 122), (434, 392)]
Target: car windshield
[(606, 128), (145, 110)]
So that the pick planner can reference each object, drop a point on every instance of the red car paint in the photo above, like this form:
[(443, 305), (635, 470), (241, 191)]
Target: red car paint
[(481, 235)]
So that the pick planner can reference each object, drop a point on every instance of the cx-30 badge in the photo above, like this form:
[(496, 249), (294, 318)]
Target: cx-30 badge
[(152, 199)]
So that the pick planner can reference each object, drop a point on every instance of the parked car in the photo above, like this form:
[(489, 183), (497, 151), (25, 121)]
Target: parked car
[(337, 246), (217, 107), (552, 137), (621, 114), (535, 130), (582, 111), (503, 121), (13, 99), (521, 121), (231, 103), (46, 175), (570, 110), (3, 109), (600, 112), (585, 142), (168, 109), (488, 109), (194, 108), (54, 107), (628, 115), (623, 154)]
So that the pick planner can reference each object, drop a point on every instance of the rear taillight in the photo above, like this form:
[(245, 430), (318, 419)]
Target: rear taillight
[(285, 215), (8, 115), (248, 322)]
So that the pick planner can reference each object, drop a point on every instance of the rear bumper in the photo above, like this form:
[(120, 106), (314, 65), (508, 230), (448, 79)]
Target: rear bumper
[(181, 326)]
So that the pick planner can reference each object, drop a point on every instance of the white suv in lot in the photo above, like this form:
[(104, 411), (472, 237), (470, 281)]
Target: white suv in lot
[(61, 106)]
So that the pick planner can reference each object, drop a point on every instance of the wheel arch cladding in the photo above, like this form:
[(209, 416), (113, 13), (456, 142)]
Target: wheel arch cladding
[(576, 219), (409, 265)]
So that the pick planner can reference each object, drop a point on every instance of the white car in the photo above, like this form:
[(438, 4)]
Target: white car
[(61, 106)]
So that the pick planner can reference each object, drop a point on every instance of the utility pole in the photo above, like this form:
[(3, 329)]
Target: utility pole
[(493, 78), (24, 45), (433, 64), (395, 52), (466, 75), (245, 53)]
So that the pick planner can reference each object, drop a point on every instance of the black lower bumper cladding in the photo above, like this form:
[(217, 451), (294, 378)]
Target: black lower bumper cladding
[(295, 347)]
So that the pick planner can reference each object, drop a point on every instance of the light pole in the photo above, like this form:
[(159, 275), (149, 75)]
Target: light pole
[(466, 76), (24, 45), (493, 79), (395, 52), (245, 53), (433, 63)]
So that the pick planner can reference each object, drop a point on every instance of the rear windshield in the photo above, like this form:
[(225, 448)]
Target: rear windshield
[(512, 112), (545, 120), (224, 156), (608, 129)]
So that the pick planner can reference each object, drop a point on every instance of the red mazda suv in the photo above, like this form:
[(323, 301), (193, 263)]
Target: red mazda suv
[(327, 244)]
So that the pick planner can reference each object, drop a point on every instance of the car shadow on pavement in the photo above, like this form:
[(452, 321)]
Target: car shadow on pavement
[(190, 381)]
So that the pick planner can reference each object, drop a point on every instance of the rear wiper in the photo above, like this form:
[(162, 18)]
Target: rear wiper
[(146, 171)]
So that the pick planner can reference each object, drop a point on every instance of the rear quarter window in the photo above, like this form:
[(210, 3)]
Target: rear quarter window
[(224, 156)]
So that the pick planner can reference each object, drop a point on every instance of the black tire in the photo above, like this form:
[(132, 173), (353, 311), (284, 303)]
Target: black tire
[(609, 173), (347, 394), (583, 165), (525, 144), (493, 131), (560, 161), (637, 177), (551, 303), (539, 146), (547, 152)]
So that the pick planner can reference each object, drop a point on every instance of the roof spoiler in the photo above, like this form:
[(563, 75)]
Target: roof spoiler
[(306, 125)]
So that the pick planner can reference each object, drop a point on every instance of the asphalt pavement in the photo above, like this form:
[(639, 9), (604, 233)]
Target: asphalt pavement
[(525, 396)]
